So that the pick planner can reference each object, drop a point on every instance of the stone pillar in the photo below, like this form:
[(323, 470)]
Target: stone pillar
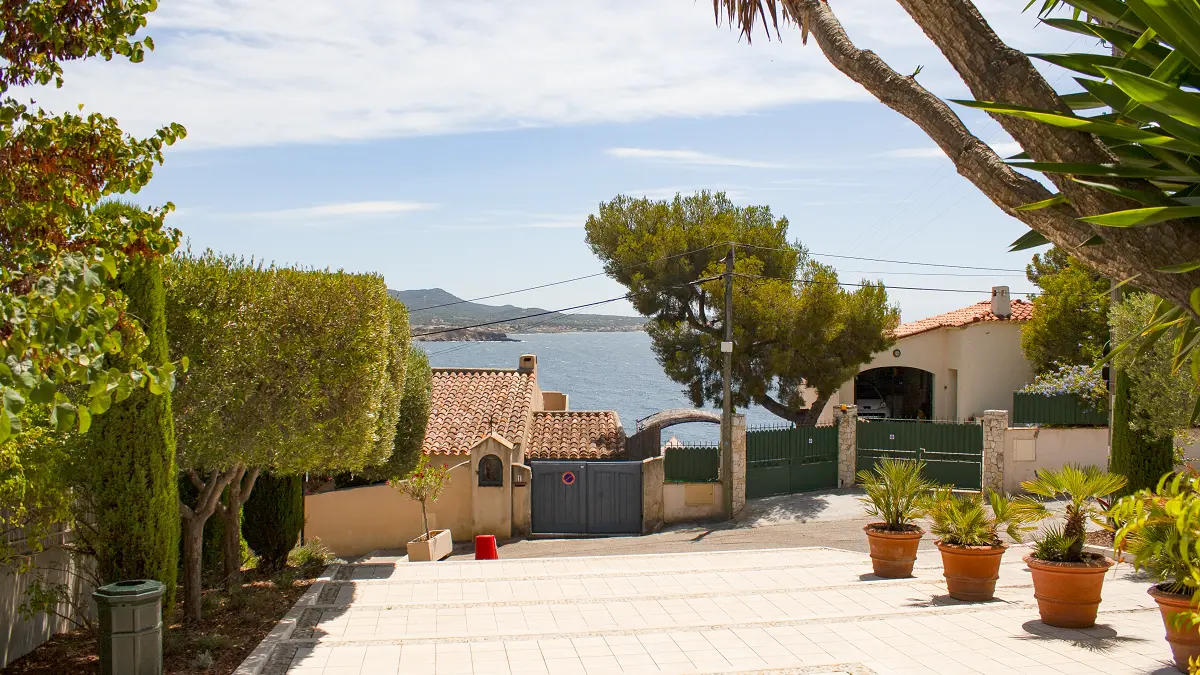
[(739, 463), (652, 494), (995, 425), (846, 418)]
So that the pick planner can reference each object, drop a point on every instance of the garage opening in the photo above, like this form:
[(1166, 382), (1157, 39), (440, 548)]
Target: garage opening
[(895, 392)]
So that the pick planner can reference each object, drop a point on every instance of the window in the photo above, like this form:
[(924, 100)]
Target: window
[(491, 471)]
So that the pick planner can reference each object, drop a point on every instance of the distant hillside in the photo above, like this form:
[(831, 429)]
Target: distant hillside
[(471, 313)]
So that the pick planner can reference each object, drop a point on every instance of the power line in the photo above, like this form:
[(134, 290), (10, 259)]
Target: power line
[(557, 311), (883, 260), (886, 286), (564, 281), (933, 274)]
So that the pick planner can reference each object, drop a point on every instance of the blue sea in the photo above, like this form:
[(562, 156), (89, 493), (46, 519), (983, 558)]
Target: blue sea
[(598, 371)]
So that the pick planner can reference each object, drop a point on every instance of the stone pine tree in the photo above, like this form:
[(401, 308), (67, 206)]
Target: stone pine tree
[(128, 465), (798, 334)]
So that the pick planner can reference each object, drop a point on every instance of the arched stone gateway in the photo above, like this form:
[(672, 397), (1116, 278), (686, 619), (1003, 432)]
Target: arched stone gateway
[(647, 442)]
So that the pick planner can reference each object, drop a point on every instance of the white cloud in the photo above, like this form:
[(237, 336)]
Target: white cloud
[(264, 72), (689, 157), (340, 210)]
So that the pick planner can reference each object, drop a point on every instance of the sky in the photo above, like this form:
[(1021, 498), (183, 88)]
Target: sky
[(462, 145)]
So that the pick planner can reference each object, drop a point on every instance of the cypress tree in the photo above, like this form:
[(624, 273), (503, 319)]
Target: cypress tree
[(129, 473), (273, 518), (1135, 454)]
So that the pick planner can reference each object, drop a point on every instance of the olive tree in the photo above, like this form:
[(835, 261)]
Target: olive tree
[(290, 371)]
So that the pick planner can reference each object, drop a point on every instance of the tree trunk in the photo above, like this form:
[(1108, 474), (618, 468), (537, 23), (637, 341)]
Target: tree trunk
[(194, 519), (805, 417), (425, 520), (193, 542), (236, 495)]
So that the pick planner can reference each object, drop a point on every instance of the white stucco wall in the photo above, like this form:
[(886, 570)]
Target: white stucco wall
[(986, 355), (1051, 449)]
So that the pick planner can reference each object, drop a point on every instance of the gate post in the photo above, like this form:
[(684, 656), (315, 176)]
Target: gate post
[(995, 424), (846, 418), (738, 446)]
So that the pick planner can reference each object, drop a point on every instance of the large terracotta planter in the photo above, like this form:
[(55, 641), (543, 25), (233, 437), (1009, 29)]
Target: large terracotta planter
[(437, 546), (1184, 638), (1068, 594), (971, 571), (893, 553)]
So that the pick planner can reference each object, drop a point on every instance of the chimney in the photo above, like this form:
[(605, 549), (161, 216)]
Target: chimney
[(1001, 304), (528, 363)]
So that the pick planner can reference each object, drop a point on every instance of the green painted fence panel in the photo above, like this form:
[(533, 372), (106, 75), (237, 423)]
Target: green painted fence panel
[(1066, 410), (692, 464), (790, 459), (952, 451)]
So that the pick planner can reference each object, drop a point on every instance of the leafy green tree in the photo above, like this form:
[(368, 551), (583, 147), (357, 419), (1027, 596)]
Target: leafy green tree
[(1070, 316), (274, 517), (1124, 174), (62, 322), (290, 372), (409, 435), (127, 468), (796, 330)]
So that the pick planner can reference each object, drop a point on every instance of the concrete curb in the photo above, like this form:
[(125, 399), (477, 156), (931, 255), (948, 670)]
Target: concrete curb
[(257, 661)]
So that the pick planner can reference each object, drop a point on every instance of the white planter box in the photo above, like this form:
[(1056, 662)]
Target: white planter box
[(438, 546)]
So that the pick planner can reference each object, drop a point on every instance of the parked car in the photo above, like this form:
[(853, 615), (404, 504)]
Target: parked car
[(871, 403)]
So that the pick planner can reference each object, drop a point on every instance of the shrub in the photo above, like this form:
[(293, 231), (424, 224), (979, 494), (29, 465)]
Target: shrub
[(896, 492), (273, 518), (128, 472), (1083, 381), (1160, 529), (312, 554)]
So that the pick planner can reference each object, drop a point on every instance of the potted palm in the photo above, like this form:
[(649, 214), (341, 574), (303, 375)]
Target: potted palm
[(1159, 531), (896, 490), (425, 484), (1067, 579), (968, 530)]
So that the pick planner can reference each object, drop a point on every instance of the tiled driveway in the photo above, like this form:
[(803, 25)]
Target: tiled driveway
[(804, 610)]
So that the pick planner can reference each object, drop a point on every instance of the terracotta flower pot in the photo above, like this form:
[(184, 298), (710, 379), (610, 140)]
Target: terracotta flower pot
[(1183, 638), (971, 571), (1068, 594), (893, 553)]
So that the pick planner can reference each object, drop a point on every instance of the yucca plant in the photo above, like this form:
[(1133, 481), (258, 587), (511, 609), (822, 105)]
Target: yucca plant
[(897, 491), (1081, 488), (976, 518)]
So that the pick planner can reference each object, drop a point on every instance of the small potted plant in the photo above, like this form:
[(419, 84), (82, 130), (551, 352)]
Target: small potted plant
[(1066, 578), (896, 490), (968, 530), (1159, 530), (425, 483)]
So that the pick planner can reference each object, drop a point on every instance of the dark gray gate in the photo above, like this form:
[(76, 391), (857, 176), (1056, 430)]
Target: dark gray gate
[(586, 497)]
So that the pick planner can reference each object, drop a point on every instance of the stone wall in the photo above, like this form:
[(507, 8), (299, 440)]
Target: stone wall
[(652, 494), (739, 463), (995, 425), (847, 424)]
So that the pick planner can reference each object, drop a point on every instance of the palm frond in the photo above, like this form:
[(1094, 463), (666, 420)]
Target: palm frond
[(745, 15), (896, 491)]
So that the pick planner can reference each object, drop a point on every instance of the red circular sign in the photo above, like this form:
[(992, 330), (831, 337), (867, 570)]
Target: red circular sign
[(568, 478)]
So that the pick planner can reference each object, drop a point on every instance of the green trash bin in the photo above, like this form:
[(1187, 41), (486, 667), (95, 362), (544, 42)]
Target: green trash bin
[(130, 615)]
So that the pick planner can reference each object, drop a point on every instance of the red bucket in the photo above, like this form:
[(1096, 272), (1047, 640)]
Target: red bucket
[(485, 547)]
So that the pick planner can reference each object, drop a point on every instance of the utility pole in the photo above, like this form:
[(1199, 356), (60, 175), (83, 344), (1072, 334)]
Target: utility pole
[(727, 408)]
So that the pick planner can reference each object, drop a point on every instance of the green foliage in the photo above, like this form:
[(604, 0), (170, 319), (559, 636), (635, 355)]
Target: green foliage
[(793, 324), (973, 519), (35, 467), (1161, 399), (897, 492), (1150, 122), (424, 483), (127, 468), (1081, 488), (311, 555), (391, 397), (273, 518), (1084, 382), (62, 325), (1159, 531), (1070, 315)]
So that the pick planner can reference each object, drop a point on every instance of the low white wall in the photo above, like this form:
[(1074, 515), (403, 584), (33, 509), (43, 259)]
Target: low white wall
[(1051, 449), (18, 635), (676, 508)]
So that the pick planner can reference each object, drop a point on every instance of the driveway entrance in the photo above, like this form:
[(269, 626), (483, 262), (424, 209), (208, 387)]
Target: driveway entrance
[(580, 497)]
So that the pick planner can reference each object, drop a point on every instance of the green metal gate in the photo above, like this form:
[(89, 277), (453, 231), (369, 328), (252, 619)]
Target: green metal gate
[(784, 460), (952, 451)]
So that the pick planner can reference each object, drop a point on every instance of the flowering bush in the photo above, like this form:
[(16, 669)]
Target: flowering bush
[(1083, 381), (424, 483)]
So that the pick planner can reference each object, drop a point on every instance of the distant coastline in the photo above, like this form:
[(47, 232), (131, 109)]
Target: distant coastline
[(484, 335), (434, 309)]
